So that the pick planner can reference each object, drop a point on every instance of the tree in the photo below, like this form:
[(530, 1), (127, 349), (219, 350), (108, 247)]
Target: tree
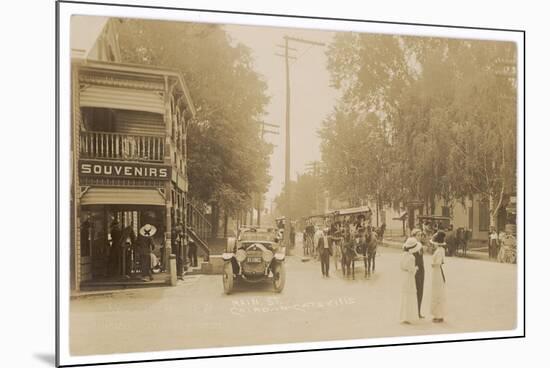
[(304, 196), (227, 159), (446, 123), (484, 147), (354, 153)]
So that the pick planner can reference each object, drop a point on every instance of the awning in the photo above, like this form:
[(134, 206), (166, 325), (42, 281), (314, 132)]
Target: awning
[(354, 210), (402, 216), (122, 98), (124, 196)]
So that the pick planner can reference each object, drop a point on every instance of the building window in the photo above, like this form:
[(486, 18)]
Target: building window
[(445, 211), (484, 219)]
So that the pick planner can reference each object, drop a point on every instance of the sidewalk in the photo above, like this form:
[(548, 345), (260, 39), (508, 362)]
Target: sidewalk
[(475, 253), (118, 285)]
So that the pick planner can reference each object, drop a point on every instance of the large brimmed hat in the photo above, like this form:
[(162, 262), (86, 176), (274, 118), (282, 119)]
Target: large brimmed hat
[(147, 230), (438, 238), (414, 232), (412, 245)]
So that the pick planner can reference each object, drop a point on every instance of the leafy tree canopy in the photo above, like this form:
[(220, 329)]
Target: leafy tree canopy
[(227, 159)]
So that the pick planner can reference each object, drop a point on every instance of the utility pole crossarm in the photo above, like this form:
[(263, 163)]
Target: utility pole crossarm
[(289, 57), (284, 47), (296, 39), (271, 125)]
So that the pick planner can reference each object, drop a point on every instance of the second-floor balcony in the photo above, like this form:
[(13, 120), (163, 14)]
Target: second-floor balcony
[(121, 146)]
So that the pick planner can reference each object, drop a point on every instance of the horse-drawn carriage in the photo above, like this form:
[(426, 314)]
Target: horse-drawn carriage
[(456, 238), (311, 224), (354, 239)]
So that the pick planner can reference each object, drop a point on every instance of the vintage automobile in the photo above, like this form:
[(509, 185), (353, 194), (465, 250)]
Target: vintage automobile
[(434, 223), (254, 256)]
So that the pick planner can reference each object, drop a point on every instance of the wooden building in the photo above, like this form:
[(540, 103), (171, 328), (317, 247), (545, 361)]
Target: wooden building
[(128, 151)]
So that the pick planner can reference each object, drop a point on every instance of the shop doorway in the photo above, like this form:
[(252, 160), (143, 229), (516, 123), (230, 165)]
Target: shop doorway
[(109, 236)]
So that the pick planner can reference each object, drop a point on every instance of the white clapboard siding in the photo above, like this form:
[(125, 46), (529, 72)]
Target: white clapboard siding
[(122, 98)]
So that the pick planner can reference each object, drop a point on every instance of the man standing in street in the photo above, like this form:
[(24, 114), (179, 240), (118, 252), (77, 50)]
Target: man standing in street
[(325, 252), (419, 275), (292, 236), (177, 248), (493, 243), (192, 252)]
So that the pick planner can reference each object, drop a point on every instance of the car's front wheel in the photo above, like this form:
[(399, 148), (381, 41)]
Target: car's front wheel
[(228, 278), (279, 277)]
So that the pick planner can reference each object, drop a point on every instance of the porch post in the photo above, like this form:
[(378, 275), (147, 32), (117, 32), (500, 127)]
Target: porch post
[(167, 185), (76, 246)]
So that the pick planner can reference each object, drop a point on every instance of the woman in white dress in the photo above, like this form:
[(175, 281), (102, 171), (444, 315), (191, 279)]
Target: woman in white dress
[(409, 305), (439, 292)]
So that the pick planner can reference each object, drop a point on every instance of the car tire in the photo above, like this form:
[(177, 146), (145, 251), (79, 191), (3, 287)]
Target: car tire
[(279, 277), (228, 278)]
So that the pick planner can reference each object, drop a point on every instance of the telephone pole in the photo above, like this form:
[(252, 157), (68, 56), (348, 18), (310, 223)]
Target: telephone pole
[(260, 195), (287, 57), (314, 168)]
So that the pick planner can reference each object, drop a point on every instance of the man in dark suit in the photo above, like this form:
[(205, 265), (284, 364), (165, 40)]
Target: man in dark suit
[(115, 256), (325, 251), (192, 252), (419, 275), (177, 248)]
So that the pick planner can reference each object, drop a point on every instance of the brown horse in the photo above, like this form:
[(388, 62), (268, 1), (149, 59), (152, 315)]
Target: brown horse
[(369, 252), (348, 258)]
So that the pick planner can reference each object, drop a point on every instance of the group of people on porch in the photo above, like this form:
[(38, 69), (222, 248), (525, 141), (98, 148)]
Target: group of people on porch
[(144, 253)]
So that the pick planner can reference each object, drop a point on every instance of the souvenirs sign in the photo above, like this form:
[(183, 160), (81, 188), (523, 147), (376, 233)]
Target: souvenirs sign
[(123, 170)]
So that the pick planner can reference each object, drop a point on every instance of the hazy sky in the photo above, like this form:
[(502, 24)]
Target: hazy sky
[(312, 99)]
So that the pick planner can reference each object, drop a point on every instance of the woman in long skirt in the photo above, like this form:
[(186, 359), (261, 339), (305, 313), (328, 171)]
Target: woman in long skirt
[(439, 292), (409, 305)]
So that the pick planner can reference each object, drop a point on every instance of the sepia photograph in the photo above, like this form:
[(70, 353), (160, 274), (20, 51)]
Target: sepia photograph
[(247, 185)]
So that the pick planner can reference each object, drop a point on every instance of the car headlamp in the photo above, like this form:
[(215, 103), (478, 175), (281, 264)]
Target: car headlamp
[(267, 256), (280, 255), (240, 255)]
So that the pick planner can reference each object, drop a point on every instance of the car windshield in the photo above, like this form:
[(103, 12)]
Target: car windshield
[(257, 235)]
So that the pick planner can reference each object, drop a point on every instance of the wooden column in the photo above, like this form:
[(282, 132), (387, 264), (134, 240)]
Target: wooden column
[(75, 251), (167, 186)]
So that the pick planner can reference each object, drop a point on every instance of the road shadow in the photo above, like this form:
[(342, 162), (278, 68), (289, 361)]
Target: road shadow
[(47, 358), (244, 287)]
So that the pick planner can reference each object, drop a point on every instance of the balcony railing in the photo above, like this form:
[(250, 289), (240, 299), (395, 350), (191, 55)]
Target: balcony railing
[(199, 228), (117, 146)]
